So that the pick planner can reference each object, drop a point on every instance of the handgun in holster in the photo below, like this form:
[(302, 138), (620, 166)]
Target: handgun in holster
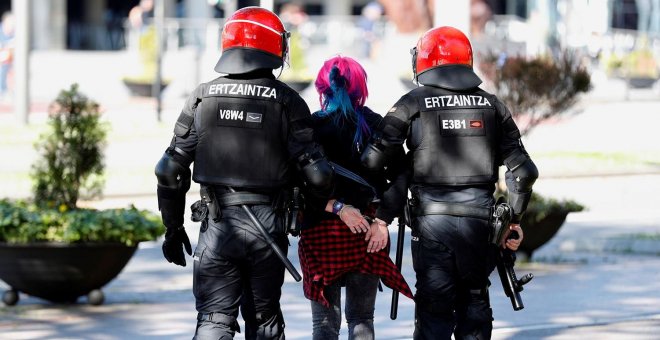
[(208, 199), (500, 220)]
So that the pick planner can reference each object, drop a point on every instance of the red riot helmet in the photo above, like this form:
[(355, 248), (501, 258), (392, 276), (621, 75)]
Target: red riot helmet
[(252, 38), (443, 57)]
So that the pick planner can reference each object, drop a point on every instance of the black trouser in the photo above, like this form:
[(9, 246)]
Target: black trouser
[(451, 258), (235, 267)]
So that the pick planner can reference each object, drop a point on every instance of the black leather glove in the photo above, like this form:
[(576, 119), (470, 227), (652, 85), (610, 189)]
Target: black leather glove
[(174, 239)]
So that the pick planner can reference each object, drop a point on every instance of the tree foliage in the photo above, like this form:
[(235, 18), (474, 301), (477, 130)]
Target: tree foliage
[(71, 152), (538, 88)]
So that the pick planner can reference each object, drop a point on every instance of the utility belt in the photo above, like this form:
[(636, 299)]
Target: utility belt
[(444, 208), (212, 202), (498, 215)]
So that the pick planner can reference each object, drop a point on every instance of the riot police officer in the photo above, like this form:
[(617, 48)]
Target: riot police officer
[(458, 135), (242, 131)]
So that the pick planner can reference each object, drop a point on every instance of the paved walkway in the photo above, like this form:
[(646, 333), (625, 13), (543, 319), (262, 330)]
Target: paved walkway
[(574, 293)]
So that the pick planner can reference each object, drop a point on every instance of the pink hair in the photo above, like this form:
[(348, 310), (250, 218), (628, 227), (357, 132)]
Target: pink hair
[(352, 72)]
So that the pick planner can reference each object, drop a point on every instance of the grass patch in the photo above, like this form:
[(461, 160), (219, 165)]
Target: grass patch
[(579, 162), (639, 236), (651, 158)]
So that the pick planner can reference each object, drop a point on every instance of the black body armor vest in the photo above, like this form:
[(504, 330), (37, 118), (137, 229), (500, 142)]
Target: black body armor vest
[(454, 137), (242, 134)]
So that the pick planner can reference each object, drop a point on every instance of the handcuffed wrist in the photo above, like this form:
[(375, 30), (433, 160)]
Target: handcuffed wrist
[(337, 207), (343, 208), (380, 222)]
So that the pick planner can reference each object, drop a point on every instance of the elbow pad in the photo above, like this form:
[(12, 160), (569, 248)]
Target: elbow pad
[(523, 169), (520, 187), (316, 170), (171, 173), (525, 175), (375, 156)]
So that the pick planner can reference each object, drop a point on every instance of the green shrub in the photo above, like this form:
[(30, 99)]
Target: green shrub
[(539, 207), (24, 222), (71, 152), (640, 63), (71, 161)]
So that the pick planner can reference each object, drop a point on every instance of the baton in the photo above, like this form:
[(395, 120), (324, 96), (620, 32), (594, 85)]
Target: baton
[(399, 258), (262, 230)]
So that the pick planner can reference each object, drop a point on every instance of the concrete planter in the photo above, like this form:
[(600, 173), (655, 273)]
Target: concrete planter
[(59, 272), (641, 82)]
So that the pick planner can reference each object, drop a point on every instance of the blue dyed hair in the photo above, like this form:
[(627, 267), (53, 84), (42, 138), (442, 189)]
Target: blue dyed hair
[(342, 87)]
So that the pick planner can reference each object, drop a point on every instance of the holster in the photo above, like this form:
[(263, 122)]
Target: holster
[(295, 205), (407, 217), (208, 200), (500, 219)]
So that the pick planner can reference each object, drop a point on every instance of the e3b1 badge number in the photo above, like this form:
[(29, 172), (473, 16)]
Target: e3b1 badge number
[(468, 126)]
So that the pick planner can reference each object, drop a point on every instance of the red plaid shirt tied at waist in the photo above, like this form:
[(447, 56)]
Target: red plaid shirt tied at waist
[(330, 249)]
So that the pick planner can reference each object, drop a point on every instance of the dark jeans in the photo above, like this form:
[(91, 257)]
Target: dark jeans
[(360, 299), (234, 267)]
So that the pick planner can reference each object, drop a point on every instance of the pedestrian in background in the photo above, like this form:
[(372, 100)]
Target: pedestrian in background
[(369, 24), (7, 33)]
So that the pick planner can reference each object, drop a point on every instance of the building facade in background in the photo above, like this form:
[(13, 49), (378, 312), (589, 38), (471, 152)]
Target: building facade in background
[(102, 24)]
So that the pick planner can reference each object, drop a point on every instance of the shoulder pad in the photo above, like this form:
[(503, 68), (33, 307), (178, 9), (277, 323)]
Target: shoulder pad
[(404, 109), (183, 124), (187, 116)]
